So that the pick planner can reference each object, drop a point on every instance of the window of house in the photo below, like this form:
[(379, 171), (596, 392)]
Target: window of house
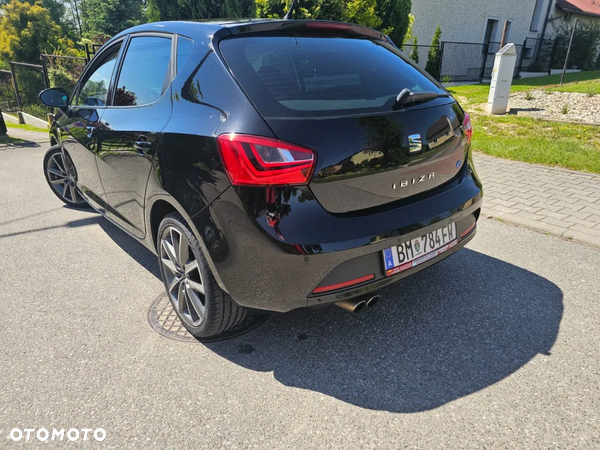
[(491, 31), (537, 14), (145, 73)]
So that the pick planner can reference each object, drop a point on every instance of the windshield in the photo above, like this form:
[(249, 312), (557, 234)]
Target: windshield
[(320, 76)]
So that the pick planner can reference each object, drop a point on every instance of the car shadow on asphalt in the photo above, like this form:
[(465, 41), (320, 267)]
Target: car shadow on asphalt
[(440, 335), (443, 334)]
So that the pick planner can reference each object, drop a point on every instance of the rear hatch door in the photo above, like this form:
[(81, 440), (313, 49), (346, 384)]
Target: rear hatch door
[(337, 95)]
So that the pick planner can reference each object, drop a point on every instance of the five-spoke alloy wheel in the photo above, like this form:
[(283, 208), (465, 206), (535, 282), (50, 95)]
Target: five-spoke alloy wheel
[(182, 276), (62, 177), (203, 307)]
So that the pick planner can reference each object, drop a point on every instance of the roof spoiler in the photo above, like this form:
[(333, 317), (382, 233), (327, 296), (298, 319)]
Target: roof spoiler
[(307, 26)]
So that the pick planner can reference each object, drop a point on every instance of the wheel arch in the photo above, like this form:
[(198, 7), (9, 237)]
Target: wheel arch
[(157, 209)]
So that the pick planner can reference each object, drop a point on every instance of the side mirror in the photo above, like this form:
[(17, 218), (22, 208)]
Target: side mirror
[(54, 98)]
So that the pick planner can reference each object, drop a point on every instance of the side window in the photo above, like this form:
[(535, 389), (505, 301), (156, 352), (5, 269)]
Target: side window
[(145, 71), (94, 91), (184, 48)]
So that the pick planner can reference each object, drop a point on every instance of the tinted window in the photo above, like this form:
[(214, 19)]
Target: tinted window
[(308, 76), (184, 48), (145, 72), (94, 91)]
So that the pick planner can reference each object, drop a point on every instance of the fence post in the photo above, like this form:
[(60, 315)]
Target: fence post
[(486, 49), (552, 54), (87, 53), (520, 65), (15, 84), (45, 71), (441, 61)]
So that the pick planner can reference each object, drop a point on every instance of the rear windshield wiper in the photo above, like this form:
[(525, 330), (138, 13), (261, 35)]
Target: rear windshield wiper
[(407, 97)]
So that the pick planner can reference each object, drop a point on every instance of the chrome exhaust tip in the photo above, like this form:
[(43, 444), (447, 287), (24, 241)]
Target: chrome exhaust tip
[(373, 300), (353, 305)]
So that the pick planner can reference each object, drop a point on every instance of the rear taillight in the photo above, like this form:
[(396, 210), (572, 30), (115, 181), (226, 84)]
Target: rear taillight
[(259, 161), (468, 128)]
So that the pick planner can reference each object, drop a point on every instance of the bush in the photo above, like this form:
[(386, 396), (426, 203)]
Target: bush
[(433, 58), (414, 54), (585, 45)]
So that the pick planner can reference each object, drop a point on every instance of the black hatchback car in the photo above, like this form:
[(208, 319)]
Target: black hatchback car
[(271, 165)]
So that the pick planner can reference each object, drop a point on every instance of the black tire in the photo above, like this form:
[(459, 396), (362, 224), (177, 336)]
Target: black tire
[(56, 169), (221, 313)]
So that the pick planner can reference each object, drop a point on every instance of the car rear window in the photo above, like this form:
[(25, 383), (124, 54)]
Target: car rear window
[(289, 76)]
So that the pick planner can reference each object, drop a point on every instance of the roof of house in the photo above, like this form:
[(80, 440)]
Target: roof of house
[(586, 7)]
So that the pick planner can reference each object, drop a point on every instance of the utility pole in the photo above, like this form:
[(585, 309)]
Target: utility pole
[(562, 78)]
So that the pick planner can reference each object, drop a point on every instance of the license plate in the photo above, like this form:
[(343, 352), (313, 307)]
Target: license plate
[(418, 250)]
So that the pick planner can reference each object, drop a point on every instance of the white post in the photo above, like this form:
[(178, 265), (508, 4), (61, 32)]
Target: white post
[(502, 77)]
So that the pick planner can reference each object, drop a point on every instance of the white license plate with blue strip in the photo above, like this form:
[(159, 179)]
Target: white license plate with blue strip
[(419, 250)]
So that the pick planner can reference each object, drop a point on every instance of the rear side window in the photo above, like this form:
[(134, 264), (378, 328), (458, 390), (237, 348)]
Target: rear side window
[(184, 48), (145, 73), (315, 76)]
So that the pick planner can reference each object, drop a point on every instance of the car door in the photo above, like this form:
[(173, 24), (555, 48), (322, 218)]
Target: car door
[(78, 122), (129, 131)]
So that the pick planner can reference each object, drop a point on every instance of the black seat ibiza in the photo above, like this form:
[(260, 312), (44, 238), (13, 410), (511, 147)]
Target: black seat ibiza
[(271, 165)]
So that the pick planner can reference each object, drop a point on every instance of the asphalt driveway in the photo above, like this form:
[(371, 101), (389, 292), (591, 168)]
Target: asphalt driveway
[(495, 347)]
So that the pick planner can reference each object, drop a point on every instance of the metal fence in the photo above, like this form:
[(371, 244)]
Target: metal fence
[(418, 53), (20, 86), (469, 61)]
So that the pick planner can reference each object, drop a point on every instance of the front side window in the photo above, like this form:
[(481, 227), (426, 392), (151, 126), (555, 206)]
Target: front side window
[(94, 91), (145, 73)]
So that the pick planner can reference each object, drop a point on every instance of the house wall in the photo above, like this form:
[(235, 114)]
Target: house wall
[(466, 20)]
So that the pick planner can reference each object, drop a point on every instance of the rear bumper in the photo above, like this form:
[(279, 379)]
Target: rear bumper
[(275, 264)]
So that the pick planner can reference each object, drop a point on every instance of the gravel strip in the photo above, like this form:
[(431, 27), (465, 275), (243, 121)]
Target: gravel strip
[(564, 106)]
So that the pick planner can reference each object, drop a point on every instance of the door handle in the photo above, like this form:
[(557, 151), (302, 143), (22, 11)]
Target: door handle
[(90, 131), (142, 146)]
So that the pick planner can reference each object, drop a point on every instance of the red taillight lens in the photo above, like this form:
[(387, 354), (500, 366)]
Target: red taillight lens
[(258, 161), (468, 128)]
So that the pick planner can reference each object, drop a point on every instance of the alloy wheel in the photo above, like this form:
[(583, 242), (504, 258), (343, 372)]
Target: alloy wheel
[(63, 179), (182, 275)]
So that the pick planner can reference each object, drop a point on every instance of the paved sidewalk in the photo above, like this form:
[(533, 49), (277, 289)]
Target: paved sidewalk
[(557, 201)]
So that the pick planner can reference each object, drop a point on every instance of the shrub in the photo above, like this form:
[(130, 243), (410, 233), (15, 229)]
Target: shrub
[(414, 54), (433, 58)]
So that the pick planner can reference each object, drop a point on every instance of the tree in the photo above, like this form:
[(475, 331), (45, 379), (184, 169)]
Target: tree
[(306, 9), (394, 16), (433, 57), (414, 54), (362, 12), (387, 16), (199, 9), (27, 30), (408, 37), (109, 17)]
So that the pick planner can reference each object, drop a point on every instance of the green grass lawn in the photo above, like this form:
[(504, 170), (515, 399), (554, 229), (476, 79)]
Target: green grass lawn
[(568, 145), (26, 127)]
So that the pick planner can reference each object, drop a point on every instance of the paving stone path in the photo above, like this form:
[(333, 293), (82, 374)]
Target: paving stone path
[(553, 200)]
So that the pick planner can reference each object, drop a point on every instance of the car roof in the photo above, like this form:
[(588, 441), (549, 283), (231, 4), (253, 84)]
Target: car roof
[(197, 29)]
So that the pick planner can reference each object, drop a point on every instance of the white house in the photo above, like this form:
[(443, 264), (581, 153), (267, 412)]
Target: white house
[(481, 21)]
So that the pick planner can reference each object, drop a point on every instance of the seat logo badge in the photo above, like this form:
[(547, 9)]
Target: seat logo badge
[(415, 180), (414, 143)]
